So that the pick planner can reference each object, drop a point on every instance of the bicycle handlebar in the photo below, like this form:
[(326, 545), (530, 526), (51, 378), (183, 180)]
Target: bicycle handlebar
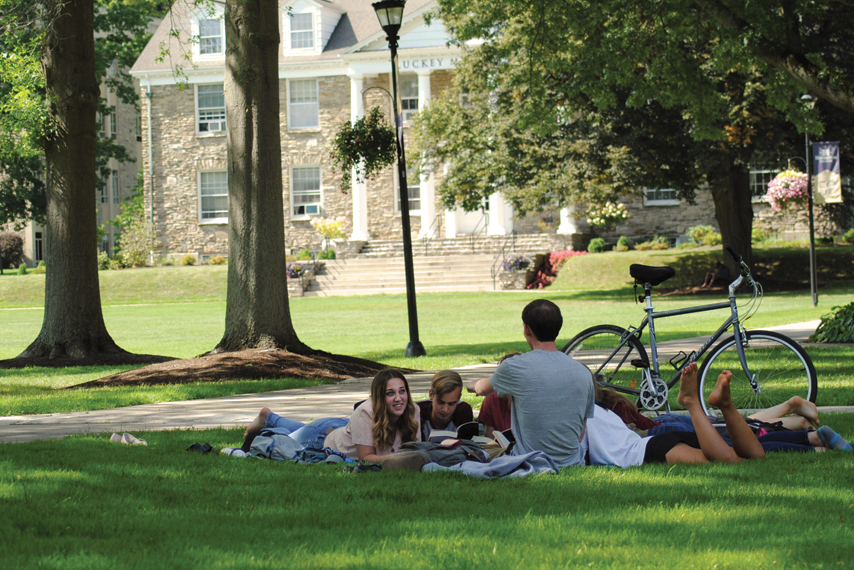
[(745, 270)]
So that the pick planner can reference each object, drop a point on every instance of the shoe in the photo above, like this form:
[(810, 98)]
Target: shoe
[(203, 448), (234, 451), (363, 467), (116, 438), (131, 440)]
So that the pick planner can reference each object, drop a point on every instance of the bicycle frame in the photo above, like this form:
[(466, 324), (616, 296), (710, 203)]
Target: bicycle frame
[(653, 372)]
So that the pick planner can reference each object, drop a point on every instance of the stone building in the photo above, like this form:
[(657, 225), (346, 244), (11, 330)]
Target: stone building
[(333, 64)]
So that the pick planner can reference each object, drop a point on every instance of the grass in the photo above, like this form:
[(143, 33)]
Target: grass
[(86, 503), (456, 329)]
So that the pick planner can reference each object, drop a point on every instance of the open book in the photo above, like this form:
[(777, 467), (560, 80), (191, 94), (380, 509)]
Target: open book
[(471, 431)]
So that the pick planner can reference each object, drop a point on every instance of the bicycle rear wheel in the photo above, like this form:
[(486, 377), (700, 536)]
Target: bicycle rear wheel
[(780, 367), (608, 351)]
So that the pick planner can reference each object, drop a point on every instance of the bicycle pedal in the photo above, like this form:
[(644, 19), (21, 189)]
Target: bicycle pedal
[(637, 363)]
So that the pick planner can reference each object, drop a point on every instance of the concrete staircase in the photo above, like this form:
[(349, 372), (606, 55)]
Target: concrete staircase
[(433, 274), (441, 265)]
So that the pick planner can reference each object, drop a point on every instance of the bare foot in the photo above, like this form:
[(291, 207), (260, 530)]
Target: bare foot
[(804, 408), (688, 386), (720, 396), (259, 422)]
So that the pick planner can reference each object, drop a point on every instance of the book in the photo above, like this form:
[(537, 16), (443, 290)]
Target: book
[(470, 431)]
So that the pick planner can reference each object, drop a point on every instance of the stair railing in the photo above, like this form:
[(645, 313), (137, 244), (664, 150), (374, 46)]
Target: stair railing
[(434, 230), (508, 245), (480, 230)]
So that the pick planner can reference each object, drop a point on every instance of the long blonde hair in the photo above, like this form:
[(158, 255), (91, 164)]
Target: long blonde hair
[(611, 399), (384, 429)]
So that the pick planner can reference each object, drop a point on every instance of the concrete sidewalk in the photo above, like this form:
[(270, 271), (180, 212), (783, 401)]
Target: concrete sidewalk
[(302, 404)]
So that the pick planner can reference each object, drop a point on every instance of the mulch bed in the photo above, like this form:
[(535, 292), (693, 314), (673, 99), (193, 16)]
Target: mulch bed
[(249, 364)]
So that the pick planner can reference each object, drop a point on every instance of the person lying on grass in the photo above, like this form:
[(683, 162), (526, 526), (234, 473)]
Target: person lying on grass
[(377, 428), (783, 427), (610, 442), (444, 410)]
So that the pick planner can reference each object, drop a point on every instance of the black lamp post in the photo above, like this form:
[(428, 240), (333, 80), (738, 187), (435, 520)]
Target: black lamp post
[(390, 14), (813, 281)]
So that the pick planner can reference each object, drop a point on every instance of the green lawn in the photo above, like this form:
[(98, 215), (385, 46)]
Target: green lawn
[(85, 503), (456, 329)]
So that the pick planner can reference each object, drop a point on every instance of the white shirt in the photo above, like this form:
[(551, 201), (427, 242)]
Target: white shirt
[(611, 442)]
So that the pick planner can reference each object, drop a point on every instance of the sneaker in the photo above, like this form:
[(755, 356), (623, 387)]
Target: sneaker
[(116, 438), (131, 440), (234, 451)]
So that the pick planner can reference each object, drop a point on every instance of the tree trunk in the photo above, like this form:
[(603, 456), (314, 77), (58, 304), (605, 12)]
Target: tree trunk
[(734, 214), (257, 314), (73, 323)]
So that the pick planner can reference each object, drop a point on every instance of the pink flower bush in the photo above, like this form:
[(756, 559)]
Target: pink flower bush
[(557, 258), (788, 190)]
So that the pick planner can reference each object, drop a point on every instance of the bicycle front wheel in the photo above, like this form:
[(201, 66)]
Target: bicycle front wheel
[(779, 366), (608, 351)]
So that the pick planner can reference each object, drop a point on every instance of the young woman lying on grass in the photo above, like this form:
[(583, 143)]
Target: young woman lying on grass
[(795, 416), (610, 442), (377, 428)]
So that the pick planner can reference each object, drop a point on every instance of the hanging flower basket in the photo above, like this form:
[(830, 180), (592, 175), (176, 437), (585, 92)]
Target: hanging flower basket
[(607, 214), (367, 146), (788, 191)]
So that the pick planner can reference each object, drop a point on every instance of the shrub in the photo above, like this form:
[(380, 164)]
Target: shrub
[(289, 258), (40, 269), (558, 258), (188, 259), (704, 235), (837, 326), (329, 228), (848, 237), (657, 242), (103, 260), (167, 262), (303, 255), (135, 240), (11, 249), (118, 261), (517, 263), (22, 269), (622, 244), (328, 254), (759, 235), (596, 245), (217, 260)]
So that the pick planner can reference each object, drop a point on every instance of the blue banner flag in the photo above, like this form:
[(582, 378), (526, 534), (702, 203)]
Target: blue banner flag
[(826, 182)]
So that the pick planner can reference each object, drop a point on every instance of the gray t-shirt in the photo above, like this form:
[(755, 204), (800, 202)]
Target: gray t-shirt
[(552, 395)]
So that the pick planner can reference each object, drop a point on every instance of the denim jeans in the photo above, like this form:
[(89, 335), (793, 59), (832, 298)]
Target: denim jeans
[(312, 435)]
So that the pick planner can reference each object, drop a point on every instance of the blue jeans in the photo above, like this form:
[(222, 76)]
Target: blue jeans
[(312, 435)]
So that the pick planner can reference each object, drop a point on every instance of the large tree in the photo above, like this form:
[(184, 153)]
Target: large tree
[(654, 66), (257, 310)]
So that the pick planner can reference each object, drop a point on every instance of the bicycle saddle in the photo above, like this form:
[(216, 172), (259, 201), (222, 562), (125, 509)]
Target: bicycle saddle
[(652, 275)]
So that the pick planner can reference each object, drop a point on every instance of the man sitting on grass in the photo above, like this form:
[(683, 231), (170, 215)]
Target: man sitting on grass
[(444, 410), (552, 393)]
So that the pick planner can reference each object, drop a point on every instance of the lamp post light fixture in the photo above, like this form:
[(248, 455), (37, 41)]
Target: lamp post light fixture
[(390, 15), (813, 281)]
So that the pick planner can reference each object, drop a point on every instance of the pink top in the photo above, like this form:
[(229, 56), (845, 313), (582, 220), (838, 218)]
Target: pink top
[(359, 431)]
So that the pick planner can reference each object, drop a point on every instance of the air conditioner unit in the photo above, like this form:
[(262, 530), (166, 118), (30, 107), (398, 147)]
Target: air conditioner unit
[(216, 126)]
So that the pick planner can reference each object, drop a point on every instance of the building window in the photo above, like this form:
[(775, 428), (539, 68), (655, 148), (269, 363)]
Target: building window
[(660, 197), (138, 126), (102, 124), (210, 36), (759, 180), (38, 246), (115, 185), (210, 106), (112, 118), (413, 190), (105, 191), (213, 196), (302, 31), (303, 104), (305, 191), (409, 95)]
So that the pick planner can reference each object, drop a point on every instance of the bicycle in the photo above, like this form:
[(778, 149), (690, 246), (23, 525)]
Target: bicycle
[(768, 367)]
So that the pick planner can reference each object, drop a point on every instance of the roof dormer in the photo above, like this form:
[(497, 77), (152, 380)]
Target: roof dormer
[(207, 24), (307, 25)]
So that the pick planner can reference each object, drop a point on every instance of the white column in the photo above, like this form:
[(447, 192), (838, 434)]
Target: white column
[(497, 215), (567, 222), (428, 189), (451, 224), (360, 189)]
